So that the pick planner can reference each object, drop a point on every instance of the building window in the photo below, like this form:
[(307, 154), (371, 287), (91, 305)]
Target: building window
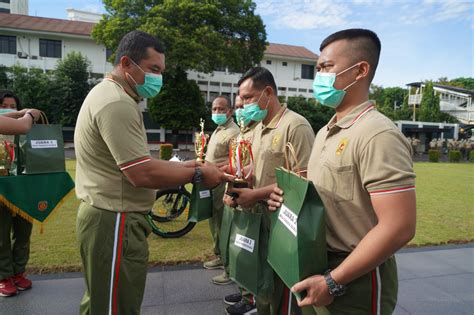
[(307, 72), (7, 44), (5, 1), (50, 48), (269, 62), (285, 63), (3, 10), (292, 89), (281, 88)]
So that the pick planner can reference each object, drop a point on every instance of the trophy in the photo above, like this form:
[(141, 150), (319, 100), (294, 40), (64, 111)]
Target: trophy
[(6, 157), (240, 156), (200, 143)]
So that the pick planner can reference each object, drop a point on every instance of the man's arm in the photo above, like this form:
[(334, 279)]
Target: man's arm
[(396, 214), (11, 126), (249, 197)]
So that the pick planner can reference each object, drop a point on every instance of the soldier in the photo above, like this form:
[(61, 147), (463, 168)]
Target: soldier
[(278, 126), (218, 153), (368, 189)]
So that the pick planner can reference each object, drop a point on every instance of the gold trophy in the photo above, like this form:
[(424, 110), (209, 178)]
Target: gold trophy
[(6, 157), (200, 143), (240, 156)]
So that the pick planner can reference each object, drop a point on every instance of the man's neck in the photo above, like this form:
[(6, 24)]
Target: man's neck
[(273, 109), (348, 104)]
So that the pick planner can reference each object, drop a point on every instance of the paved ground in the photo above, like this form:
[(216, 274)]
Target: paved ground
[(437, 280)]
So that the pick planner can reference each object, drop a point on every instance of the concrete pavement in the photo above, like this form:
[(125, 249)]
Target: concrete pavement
[(435, 280)]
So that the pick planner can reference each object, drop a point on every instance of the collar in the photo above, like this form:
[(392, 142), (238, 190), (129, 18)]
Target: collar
[(273, 124), (229, 121), (353, 116), (124, 85)]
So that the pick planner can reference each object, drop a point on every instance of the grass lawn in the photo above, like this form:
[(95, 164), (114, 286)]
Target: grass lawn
[(445, 195)]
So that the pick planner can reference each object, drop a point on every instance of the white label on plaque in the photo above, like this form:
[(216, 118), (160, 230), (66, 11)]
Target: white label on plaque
[(244, 242), (204, 194), (44, 144), (289, 219)]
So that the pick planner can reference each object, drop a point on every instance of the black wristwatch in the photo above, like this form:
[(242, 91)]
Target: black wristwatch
[(335, 289), (197, 178)]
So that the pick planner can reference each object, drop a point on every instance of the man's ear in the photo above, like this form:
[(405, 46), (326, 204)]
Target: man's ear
[(125, 62), (364, 70)]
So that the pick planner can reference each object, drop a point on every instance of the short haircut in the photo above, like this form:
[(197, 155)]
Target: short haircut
[(261, 77), (227, 101), (365, 46), (7, 94), (135, 45)]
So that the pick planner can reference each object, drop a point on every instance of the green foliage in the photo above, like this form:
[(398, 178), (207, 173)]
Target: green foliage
[(317, 115), (433, 155), (166, 151), (180, 105), (4, 81), (404, 112), (465, 83), (429, 106), (454, 156), (471, 155), (199, 35), (391, 101), (71, 87)]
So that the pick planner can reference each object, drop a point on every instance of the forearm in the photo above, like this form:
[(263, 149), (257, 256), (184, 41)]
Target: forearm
[(164, 174), (374, 249), (263, 193), (14, 115), (9, 126)]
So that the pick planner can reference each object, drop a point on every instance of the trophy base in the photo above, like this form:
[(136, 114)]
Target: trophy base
[(238, 183)]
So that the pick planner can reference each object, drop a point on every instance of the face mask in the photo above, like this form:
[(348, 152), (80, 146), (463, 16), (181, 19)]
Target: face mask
[(219, 119), (253, 112), (325, 92), (152, 85), (241, 119), (6, 110)]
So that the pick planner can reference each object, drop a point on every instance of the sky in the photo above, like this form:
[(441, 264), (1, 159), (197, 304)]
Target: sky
[(421, 39)]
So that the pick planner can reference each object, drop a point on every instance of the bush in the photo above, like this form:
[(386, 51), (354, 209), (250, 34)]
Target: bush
[(433, 155), (166, 150), (454, 156), (471, 155)]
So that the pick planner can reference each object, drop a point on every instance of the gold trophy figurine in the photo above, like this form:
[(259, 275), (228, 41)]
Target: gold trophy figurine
[(240, 156), (6, 157), (200, 143)]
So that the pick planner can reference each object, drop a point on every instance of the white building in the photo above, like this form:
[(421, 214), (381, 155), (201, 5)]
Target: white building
[(14, 6), (83, 16)]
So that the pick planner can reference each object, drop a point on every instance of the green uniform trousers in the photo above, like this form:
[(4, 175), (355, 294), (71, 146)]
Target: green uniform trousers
[(216, 220), (15, 233), (114, 252), (375, 293)]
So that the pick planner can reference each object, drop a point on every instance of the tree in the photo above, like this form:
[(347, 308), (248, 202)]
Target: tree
[(404, 112), (465, 83), (317, 115), (429, 106), (180, 105), (377, 94), (70, 87), (4, 81), (198, 35)]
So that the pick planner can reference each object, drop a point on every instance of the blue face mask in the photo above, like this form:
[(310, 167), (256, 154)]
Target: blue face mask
[(253, 112), (219, 119), (151, 86), (325, 92), (6, 110), (241, 119)]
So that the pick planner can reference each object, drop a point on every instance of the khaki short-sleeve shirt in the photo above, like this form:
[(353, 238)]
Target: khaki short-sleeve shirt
[(218, 146), (110, 137), (269, 143), (362, 155)]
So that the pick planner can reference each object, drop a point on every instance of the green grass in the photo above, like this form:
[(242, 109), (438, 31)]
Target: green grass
[(445, 194)]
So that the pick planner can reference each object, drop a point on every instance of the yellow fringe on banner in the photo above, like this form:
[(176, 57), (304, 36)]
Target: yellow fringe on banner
[(17, 211)]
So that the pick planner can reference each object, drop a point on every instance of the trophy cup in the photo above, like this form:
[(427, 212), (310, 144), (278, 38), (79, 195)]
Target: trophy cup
[(240, 156), (200, 143), (6, 157)]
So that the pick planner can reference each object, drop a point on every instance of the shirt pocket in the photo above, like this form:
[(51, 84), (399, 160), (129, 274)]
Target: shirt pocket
[(343, 182)]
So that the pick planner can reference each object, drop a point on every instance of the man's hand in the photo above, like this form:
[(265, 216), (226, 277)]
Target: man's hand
[(317, 292), (247, 197), (36, 113), (276, 199), (229, 201), (213, 176)]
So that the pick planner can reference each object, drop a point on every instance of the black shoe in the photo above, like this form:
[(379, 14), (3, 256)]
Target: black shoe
[(241, 308), (233, 299)]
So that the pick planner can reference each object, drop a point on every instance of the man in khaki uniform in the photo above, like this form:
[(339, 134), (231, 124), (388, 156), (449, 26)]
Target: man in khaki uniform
[(362, 168), (218, 153), (116, 178), (278, 126)]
